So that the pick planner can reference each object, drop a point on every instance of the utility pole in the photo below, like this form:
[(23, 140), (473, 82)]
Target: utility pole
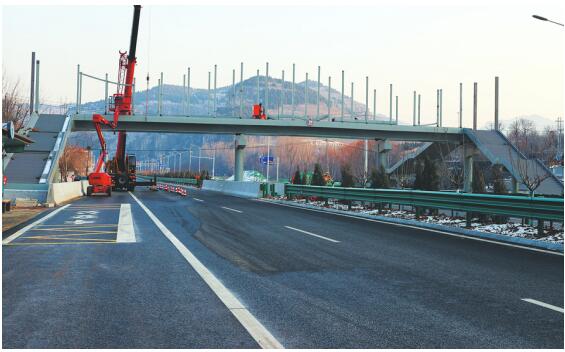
[(268, 155)]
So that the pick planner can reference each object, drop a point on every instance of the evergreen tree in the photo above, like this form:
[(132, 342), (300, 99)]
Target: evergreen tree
[(379, 178), (419, 181), (346, 176), (317, 176), (431, 174), (297, 179)]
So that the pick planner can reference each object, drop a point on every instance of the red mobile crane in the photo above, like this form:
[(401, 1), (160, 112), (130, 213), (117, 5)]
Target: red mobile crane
[(120, 172)]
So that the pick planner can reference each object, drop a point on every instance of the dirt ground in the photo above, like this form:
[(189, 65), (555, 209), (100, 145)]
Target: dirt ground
[(18, 215)]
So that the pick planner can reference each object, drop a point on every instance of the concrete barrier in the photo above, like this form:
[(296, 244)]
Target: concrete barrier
[(234, 188), (65, 191)]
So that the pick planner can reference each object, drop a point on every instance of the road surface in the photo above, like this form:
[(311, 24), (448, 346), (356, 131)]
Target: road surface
[(155, 270)]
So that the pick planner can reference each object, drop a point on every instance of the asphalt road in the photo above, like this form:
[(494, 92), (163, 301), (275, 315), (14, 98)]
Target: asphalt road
[(313, 280)]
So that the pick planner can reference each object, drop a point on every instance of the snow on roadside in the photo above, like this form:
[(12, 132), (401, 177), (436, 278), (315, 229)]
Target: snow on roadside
[(508, 229)]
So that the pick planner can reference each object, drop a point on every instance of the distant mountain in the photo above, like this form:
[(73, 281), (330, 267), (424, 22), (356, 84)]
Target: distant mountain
[(228, 100)]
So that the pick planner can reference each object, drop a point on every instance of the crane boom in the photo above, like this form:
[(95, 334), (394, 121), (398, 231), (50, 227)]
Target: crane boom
[(121, 104)]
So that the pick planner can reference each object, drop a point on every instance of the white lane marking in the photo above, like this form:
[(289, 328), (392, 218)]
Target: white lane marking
[(542, 304), (38, 221), (237, 211), (249, 322), (417, 227), (198, 200), (126, 232), (312, 234)]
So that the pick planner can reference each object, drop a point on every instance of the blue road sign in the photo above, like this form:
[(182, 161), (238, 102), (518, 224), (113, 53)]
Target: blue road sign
[(264, 159)]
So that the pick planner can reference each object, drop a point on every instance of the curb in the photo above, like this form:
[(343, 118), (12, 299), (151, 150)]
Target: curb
[(556, 247)]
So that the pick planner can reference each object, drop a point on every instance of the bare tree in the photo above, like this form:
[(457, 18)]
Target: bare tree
[(14, 108)]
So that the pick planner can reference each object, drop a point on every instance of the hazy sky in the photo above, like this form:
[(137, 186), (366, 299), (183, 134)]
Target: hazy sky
[(416, 45)]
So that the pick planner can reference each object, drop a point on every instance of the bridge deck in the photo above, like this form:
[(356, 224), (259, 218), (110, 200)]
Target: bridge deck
[(282, 127)]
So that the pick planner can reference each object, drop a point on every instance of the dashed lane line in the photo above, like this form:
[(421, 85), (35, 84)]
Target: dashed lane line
[(20, 232), (230, 209), (543, 304), (198, 200), (312, 234), (415, 227), (259, 333)]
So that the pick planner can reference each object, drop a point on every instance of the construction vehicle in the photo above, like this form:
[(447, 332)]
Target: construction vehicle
[(120, 173), (259, 112)]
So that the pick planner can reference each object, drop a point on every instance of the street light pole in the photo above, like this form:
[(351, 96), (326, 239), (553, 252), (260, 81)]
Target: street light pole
[(547, 20)]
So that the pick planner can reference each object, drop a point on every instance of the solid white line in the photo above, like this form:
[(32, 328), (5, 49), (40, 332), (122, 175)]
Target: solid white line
[(312, 234), (237, 211), (417, 227), (249, 322), (38, 221), (545, 305), (198, 200), (126, 232)]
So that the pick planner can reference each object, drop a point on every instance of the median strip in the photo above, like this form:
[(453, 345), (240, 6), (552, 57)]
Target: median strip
[(257, 331), (542, 304), (312, 234)]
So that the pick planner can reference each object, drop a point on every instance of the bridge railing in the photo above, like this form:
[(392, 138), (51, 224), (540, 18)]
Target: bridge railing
[(175, 180), (515, 206)]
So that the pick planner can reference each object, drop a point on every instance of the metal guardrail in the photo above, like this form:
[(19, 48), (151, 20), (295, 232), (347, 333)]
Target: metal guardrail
[(185, 181), (524, 207)]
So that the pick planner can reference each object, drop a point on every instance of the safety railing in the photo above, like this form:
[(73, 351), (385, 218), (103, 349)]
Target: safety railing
[(175, 180), (515, 206)]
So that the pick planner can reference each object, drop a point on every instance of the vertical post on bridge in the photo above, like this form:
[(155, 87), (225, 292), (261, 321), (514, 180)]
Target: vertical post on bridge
[(241, 91), (475, 106), (351, 98), (306, 97), (414, 110), (342, 92), (161, 84), (396, 109), (282, 96), (188, 92), (266, 107), (257, 99), (37, 86), (184, 94), (440, 107), (215, 86), (209, 80), (32, 86), (374, 104), (318, 96), (419, 100), (390, 104), (366, 99), (232, 105), (460, 105), (106, 95), (496, 103), (437, 107), (78, 87), (329, 102), (292, 92)]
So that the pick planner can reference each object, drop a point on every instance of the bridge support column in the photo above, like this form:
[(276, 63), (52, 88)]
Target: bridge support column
[(469, 151), (515, 188), (383, 147), (240, 142)]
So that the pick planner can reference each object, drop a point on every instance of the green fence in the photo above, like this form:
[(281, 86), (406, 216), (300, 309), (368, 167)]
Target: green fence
[(516, 206)]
